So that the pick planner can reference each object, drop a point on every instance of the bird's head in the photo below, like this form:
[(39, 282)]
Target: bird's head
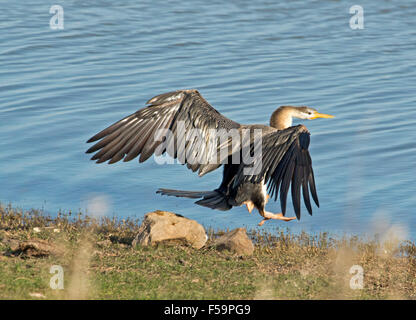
[(282, 116)]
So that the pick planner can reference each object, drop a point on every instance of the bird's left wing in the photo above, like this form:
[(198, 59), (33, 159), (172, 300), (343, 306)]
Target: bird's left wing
[(190, 119), (284, 161)]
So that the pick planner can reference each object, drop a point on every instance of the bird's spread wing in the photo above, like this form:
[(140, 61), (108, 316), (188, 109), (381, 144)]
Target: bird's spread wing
[(145, 132), (285, 161)]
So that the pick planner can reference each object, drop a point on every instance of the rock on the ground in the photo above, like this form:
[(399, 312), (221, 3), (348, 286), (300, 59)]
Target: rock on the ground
[(104, 243), (236, 241), (12, 243), (36, 248), (167, 227), (37, 295)]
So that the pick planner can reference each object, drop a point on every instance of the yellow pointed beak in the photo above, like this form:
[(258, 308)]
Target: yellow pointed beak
[(321, 115)]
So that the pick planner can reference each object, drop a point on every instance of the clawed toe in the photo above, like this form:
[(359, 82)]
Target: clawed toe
[(262, 222), (275, 216)]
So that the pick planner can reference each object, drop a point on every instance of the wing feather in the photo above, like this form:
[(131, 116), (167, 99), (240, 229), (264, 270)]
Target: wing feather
[(286, 162), (138, 133)]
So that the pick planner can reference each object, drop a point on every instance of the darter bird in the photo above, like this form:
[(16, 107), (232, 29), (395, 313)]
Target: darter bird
[(284, 159)]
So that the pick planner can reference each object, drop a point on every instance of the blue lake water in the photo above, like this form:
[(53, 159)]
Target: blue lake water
[(60, 87)]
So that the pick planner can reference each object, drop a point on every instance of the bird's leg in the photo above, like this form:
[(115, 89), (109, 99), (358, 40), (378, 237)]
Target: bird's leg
[(267, 198), (277, 216), (250, 205)]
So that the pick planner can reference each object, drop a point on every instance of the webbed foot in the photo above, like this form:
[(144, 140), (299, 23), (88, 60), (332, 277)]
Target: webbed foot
[(276, 216)]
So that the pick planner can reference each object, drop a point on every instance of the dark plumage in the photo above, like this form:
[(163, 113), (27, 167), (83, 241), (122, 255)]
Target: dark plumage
[(284, 161)]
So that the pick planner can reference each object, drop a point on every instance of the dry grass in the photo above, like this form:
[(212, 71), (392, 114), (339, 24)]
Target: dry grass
[(99, 263)]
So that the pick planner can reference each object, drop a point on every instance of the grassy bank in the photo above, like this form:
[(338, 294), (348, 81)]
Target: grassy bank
[(99, 263)]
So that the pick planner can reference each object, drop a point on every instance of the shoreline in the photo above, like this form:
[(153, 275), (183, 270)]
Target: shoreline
[(98, 262)]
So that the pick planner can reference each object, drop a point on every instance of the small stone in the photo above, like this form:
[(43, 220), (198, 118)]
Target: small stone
[(36, 230), (13, 244), (35, 248), (37, 295), (104, 243), (235, 241), (170, 228)]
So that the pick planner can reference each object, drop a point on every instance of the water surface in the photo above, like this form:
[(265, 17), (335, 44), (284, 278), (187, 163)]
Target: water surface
[(59, 87)]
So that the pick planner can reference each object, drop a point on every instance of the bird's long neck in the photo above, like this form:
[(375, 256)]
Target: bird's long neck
[(281, 118)]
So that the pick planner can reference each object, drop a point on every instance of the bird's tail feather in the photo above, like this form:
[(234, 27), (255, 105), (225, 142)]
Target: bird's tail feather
[(211, 199)]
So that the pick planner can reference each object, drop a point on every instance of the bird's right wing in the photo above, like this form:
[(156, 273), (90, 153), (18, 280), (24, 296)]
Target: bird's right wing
[(284, 161), (182, 113)]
